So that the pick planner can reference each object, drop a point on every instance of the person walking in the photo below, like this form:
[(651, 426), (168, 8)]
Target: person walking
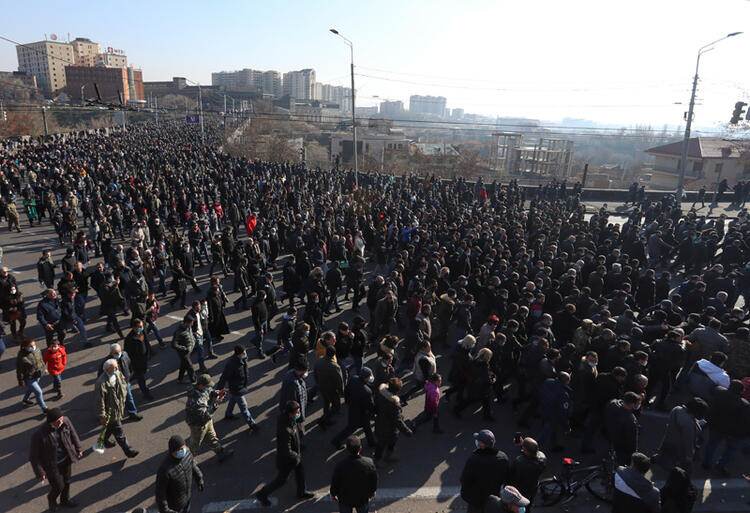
[(234, 378), (49, 315), (288, 455), (55, 446), (124, 366), (485, 472), (45, 269), (361, 408), (175, 477), (139, 350), (111, 393), (682, 435), (201, 404), (29, 370), (330, 381), (355, 479), (389, 420), (56, 358), (183, 342)]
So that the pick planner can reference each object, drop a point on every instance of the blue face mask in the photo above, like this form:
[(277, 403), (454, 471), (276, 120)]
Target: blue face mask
[(139, 330), (180, 454), (521, 509)]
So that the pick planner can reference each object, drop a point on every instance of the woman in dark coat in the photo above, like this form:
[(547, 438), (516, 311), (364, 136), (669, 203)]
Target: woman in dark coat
[(179, 283), (217, 321), (389, 420)]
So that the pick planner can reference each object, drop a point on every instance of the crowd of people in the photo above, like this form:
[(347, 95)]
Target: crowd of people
[(474, 294)]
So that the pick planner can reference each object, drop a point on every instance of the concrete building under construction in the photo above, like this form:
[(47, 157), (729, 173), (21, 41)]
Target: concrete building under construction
[(511, 157)]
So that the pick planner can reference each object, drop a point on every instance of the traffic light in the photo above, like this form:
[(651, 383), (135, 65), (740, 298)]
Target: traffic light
[(739, 111)]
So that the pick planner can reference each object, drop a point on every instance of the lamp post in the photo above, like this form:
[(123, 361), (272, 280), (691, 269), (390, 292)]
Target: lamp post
[(83, 100), (354, 119), (686, 141)]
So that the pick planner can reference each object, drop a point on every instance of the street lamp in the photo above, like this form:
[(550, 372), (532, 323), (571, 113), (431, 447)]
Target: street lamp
[(354, 119), (83, 101), (686, 141)]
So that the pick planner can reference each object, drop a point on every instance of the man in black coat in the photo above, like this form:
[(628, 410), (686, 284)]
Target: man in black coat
[(621, 426), (54, 448), (355, 479), (485, 472), (288, 455), (235, 379), (527, 467), (728, 421), (361, 407), (174, 479)]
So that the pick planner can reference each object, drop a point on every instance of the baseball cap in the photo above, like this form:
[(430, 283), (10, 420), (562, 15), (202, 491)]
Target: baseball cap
[(486, 437), (510, 495)]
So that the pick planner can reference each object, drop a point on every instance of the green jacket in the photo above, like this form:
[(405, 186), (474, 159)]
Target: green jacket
[(29, 365), (183, 340), (201, 404), (110, 398)]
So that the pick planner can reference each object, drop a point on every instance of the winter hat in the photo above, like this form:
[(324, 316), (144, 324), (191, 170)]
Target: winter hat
[(53, 414), (176, 442)]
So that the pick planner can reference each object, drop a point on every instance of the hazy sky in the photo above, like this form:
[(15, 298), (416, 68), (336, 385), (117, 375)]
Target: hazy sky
[(622, 62)]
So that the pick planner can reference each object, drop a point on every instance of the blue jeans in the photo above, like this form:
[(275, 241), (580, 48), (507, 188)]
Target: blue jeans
[(57, 381), (130, 402), (150, 326), (361, 508), (198, 351), (732, 443), (32, 387), (240, 401), (208, 343), (2, 345), (78, 323)]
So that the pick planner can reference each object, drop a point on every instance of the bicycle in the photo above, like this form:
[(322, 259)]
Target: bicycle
[(598, 480)]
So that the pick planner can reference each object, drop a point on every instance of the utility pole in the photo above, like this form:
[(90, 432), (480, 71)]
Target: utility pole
[(200, 101), (44, 119), (689, 121), (156, 109), (354, 109), (83, 100), (585, 174), (186, 106)]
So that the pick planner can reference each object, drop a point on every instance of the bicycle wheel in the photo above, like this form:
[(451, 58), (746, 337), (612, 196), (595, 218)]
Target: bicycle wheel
[(601, 486), (550, 492)]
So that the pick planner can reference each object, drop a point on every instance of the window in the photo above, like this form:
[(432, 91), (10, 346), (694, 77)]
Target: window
[(719, 166), (697, 167)]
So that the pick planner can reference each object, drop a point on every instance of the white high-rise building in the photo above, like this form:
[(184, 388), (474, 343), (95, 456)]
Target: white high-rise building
[(300, 84), (433, 105)]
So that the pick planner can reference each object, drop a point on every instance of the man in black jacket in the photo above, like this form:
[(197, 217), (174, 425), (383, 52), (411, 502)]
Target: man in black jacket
[(354, 480), (288, 456), (527, 467), (174, 479), (485, 472), (234, 378), (54, 448), (361, 407), (728, 421), (621, 426)]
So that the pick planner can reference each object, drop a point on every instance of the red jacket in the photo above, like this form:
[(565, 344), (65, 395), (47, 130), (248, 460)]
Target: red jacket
[(55, 360)]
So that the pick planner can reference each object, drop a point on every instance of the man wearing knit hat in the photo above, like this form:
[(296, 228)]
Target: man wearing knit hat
[(55, 446), (485, 472), (174, 479)]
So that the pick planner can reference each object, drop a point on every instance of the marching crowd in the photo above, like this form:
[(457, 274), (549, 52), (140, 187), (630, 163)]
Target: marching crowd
[(480, 296)]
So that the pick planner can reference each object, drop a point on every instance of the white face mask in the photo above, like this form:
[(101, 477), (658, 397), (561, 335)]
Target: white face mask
[(111, 378), (371, 380), (476, 444)]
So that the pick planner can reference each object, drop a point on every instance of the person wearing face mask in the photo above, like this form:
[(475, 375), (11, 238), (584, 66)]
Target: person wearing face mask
[(56, 358), (125, 367), (138, 349), (361, 408), (55, 446), (111, 395), (174, 479), (29, 369), (294, 388), (49, 315), (234, 378), (288, 455), (14, 311), (485, 472)]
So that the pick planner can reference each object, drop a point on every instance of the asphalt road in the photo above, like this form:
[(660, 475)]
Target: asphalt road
[(424, 480)]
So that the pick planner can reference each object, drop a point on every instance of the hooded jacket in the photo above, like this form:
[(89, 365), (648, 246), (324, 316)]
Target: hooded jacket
[(389, 420), (704, 377)]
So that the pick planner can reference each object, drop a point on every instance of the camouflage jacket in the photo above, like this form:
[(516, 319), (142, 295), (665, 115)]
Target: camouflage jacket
[(201, 404)]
